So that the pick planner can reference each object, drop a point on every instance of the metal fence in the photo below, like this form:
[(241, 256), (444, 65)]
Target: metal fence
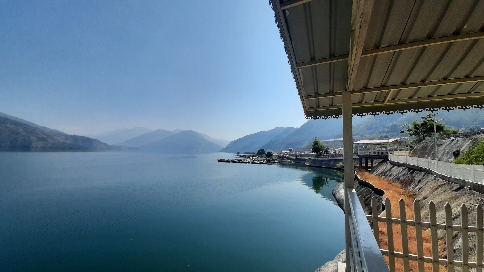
[(418, 255), (473, 173)]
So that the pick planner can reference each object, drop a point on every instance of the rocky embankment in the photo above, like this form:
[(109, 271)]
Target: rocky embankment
[(446, 148), (332, 266), (364, 190)]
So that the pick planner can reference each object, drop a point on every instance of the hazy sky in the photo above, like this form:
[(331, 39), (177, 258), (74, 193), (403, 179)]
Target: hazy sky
[(87, 67)]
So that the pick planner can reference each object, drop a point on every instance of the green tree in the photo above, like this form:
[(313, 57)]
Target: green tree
[(317, 147), (474, 155), (425, 128)]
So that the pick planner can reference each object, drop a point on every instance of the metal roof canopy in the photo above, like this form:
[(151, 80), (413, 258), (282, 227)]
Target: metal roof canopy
[(377, 56), (393, 56)]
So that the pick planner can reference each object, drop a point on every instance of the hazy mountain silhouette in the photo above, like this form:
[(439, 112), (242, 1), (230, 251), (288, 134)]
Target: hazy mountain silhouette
[(28, 123), (220, 142), (118, 136), (147, 138), (18, 136), (184, 142), (252, 142)]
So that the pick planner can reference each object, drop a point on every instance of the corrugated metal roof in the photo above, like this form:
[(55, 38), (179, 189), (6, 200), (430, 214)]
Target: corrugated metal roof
[(378, 142), (414, 55)]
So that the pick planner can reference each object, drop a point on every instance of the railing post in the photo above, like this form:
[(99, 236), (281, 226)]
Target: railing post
[(473, 173), (366, 255), (349, 173)]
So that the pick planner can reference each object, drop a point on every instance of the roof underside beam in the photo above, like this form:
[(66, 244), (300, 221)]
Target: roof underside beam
[(401, 108), (360, 21), (405, 86), (398, 47), (292, 3), (406, 101)]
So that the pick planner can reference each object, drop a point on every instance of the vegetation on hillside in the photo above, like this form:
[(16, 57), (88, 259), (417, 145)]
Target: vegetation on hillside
[(475, 155), (427, 127)]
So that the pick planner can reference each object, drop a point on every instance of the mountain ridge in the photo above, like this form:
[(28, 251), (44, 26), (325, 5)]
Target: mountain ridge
[(18, 136), (184, 142)]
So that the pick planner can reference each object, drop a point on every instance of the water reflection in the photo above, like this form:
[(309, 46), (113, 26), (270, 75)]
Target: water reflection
[(321, 180)]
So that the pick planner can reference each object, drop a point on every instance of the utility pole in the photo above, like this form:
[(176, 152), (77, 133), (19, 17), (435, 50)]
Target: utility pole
[(435, 138)]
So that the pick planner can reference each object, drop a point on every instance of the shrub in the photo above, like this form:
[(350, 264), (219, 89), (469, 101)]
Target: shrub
[(474, 155)]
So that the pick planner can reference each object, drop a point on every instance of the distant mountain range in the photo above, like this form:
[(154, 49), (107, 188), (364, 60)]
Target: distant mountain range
[(121, 135), (367, 127), (278, 139), (19, 135), (184, 142), (147, 138), (177, 141), (137, 137)]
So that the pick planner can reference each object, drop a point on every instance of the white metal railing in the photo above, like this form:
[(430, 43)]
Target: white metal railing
[(373, 152), (466, 246), (473, 173), (365, 254)]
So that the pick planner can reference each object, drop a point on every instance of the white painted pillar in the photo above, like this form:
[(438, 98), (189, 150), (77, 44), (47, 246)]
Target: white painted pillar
[(349, 173)]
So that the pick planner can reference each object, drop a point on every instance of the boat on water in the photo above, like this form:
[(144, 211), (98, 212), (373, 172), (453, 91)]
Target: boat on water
[(223, 160)]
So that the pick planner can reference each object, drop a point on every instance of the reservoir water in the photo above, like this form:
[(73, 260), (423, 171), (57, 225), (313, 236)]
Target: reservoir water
[(134, 211)]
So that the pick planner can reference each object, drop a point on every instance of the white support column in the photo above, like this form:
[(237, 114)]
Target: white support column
[(349, 173)]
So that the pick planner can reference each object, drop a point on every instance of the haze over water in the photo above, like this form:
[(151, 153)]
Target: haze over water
[(152, 212)]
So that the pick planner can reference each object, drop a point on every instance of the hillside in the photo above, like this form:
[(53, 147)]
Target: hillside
[(446, 147), (253, 142), (89, 143), (220, 142), (147, 138), (184, 142), (367, 127), (17, 136), (278, 139), (388, 126), (120, 135), (301, 137), (28, 123)]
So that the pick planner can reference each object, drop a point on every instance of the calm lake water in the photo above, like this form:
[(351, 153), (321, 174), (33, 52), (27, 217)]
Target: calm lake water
[(118, 211)]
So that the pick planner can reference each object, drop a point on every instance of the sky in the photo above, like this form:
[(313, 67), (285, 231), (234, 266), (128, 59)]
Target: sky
[(88, 67)]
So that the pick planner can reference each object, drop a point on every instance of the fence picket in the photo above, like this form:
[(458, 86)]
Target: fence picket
[(465, 238), (449, 234), (433, 235), (391, 250), (403, 229), (374, 215), (418, 234), (433, 226), (479, 238)]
